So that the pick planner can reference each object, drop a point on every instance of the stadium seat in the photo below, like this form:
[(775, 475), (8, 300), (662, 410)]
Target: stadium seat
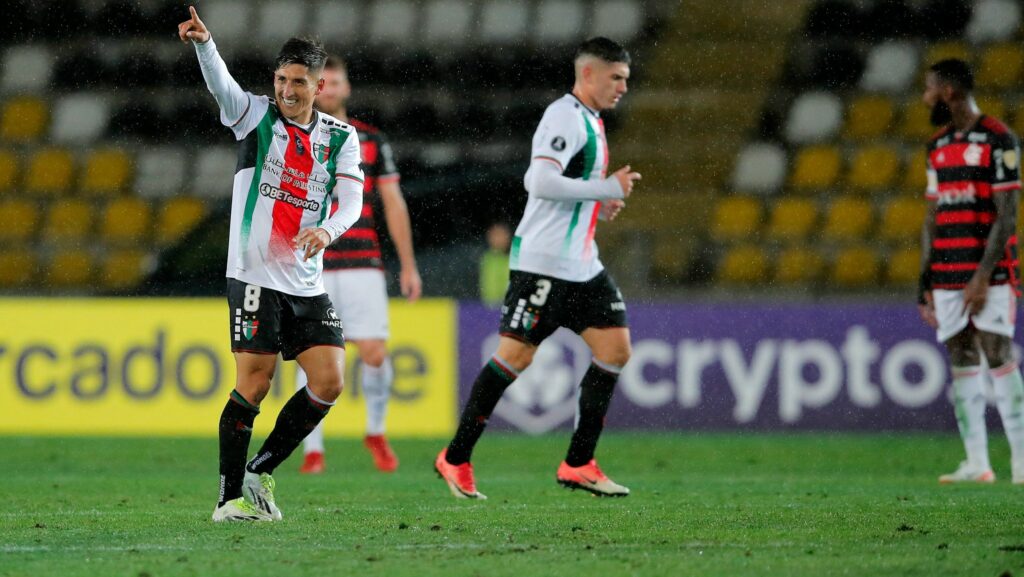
[(448, 22), (814, 117), (915, 177), (229, 19), (619, 19), (17, 267), (215, 171), (339, 20), (392, 22), (24, 119), (50, 170), (745, 264), (160, 171), (992, 106), (18, 220), (69, 220), (902, 219), (848, 218), (8, 171), (993, 21), (670, 257), (855, 267), (80, 118), (815, 168), (736, 218), (760, 167), (27, 68), (873, 168), (903, 267), (279, 20), (502, 22), (869, 117), (177, 217), (916, 127), (891, 67), (1000, 67), (792, 219), (70, 268), (944, 50), (798, 265), (558, 21), (123, 269), (106, 171), (125, 220)]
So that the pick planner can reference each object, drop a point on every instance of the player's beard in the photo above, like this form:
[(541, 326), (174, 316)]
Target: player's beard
[(941, 114)]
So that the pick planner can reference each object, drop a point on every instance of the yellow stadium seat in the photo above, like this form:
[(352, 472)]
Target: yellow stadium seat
[(16, 268), (70, 268), (23, 119), (736, 218), (915, 177), (815, 168), (903, 267), (69, 220), (798, 265), (18, 220), (916, 127), (106, 171), (873, 168), (125, 220), (792, 219), (902, 219), (670, 257), (855, 267), (177, 217), (945, 50), (1001, 66), (49, 170), (746, 264), (992, 106), (869, 117), (123, 269), (848, 218), (8, 171)]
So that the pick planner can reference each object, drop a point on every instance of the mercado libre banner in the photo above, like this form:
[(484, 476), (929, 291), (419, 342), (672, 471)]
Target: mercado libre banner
[(738, 367), (164, 367)]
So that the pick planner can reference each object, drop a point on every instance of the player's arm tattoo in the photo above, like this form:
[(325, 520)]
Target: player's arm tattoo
[(1002, 229), (927, 236)]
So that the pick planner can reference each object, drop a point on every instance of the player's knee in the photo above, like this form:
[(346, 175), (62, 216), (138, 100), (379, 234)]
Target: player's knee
[(617, 356), (373, 355), (254, 385), (964, 356), (328, 386), (998, 350)]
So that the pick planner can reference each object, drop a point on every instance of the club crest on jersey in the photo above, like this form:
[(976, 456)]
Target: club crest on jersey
[(972, 155), (530, 319), (321, 152), (249, 328)]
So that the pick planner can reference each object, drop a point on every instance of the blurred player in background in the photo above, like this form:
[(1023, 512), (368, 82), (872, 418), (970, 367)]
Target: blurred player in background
[(354, 274), (557, 279), (969, 269), (291, 160)]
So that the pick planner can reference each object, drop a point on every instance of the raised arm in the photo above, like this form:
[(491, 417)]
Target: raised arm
[(544, 180), (234, 102)]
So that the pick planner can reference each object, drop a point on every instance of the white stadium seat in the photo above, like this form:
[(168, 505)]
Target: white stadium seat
[(215, 171), (620, 20), (559, 21), (993, 21), (814, 117), (392, 22), (80, 117), (160, 171), (27, 68), (337, 21), (228, 20), (503, 22), (891, 67), (760, 168), (280, 20), (448, 22)]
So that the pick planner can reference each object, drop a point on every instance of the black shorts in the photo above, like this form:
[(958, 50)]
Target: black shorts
[(536, 305), (268, 321)]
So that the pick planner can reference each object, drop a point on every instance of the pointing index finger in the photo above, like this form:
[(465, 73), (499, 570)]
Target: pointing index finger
[(195, 16)]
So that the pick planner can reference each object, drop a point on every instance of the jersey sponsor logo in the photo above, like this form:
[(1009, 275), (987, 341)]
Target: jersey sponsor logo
[(558, 143), (618, 306), (972, 155), (952, 196), (274, 193)]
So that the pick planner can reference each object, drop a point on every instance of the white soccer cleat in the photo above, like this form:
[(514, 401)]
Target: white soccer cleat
[(967, 473), (259, 491), (239, 510)]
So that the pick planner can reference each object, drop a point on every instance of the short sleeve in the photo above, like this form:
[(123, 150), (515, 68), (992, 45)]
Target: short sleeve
[(386, 167), (932, 190), (558, 137), (1005, 163), (348, 159)]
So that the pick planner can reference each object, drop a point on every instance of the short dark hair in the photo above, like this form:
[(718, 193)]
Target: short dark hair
[(954, 71), (603, 48), (335, 62), (308, 52)]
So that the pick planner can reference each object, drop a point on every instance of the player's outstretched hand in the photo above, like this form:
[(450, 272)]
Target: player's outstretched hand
[(611, 209), (193, 28), (411, 284), (626, 178), (312, 240), (927, 311)]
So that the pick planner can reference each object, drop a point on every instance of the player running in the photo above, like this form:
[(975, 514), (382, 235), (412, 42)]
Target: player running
[(354, 275), (968, 287), (291, 159), (556, 278)]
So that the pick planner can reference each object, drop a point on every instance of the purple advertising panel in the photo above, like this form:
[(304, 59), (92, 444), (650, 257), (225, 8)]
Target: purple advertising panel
[(736, 366)]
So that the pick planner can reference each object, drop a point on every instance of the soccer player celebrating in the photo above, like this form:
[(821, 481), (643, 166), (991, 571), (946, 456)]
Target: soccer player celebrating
[(969, 262), (291, 159), (556, 278), (354, 276)]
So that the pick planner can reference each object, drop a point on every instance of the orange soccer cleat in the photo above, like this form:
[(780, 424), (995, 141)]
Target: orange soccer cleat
[(459, 477), (383, 457), (313, 463), (589, 477)]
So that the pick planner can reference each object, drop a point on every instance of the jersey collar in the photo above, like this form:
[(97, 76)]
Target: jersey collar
[(587, 108), (306, 129)]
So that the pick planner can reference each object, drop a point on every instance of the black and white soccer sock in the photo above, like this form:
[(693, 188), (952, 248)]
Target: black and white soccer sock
[(490, 384), (235, 432), (300, 415), (596, 392)]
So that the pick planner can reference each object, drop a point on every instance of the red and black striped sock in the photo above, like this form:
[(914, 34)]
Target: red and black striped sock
[(300, 415), (490, 384), (596, 392), (235, 431)]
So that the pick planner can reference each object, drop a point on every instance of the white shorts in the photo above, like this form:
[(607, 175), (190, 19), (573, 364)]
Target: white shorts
[(999, 315), (361, 299)]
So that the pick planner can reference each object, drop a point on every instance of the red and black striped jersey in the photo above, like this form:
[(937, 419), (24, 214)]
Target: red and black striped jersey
[(359, 247), (965, 170)]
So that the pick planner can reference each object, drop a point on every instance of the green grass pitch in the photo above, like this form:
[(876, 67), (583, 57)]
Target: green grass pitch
[(702, 504)]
